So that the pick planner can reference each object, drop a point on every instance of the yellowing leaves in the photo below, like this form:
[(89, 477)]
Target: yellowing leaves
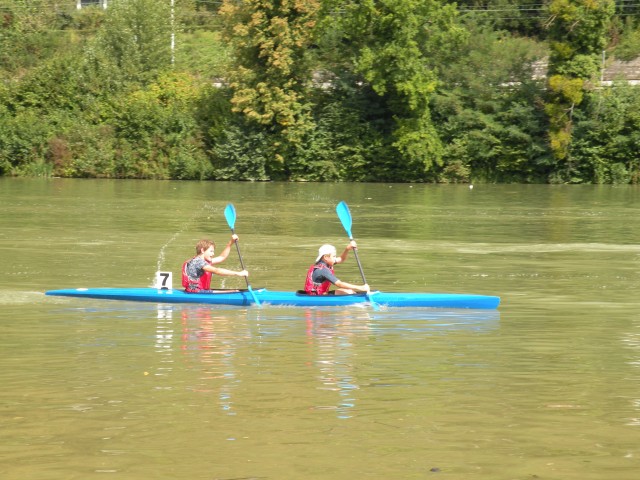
[(570, 89), (271, 41)]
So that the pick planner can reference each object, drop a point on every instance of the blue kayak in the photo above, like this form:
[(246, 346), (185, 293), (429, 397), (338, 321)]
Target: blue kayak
[(264, 296)]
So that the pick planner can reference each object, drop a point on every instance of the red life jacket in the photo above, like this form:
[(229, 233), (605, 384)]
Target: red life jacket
[(317, 288), (204, 282)]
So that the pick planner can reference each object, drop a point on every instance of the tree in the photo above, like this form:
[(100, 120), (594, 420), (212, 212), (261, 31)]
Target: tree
[(487, 110), (30, 32), (397, 45), (606, 138), (519, 17), (272, 75), (577, 35), (136, 38)]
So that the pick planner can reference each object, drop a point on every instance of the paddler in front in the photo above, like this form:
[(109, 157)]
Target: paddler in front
[(197, 272), (320, 276)]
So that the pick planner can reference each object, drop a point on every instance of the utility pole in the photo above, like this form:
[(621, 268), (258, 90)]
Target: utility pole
[(173, 33)]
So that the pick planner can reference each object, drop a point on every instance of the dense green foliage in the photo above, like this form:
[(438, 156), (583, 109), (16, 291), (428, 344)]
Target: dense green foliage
[(319, 90), (577, 34)]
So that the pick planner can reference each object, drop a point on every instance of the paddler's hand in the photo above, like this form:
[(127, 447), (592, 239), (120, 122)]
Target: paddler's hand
[(365, 288), (243, 273), (234, 238), (352, 245)]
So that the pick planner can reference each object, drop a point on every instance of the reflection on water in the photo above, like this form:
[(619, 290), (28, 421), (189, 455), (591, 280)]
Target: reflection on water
[(631, 341), (207, 341), (434, 321), (164, 343), (331, 337)]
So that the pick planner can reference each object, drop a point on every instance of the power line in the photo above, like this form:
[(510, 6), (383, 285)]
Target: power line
[(56, 6)]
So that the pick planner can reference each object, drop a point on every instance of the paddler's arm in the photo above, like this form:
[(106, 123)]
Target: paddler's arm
[(226, 273), (343, 256), (225, 253), (351, 286)]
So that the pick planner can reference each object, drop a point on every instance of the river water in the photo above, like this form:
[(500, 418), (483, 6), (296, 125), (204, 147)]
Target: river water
[(547, 386)]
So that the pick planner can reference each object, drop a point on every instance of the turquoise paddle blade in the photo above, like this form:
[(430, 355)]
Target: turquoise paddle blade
[(230, 215), (345, 217)]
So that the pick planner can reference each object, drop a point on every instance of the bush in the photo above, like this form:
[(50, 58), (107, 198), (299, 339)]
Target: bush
[(607, 136), (23, 140)]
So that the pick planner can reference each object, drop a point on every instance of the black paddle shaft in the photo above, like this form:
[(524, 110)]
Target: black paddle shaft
[(355, 252), (240, 257)]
